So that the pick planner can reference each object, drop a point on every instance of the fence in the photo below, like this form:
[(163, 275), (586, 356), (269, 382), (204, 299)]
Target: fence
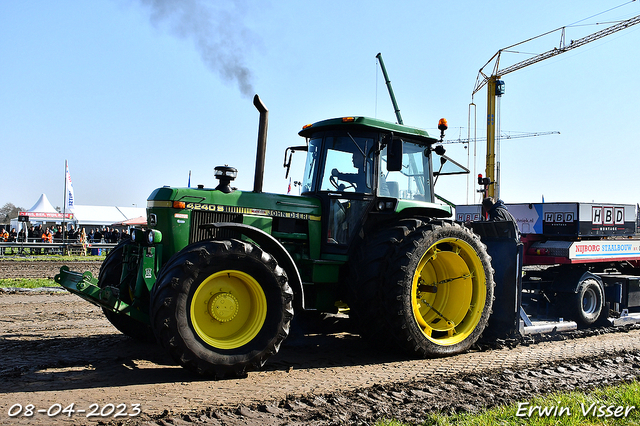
[(22, 248)]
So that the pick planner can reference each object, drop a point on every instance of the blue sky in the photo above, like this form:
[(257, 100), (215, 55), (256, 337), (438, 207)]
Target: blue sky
[(136, 93)]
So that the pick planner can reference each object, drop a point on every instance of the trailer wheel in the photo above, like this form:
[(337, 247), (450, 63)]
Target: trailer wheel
[(437, 291), (110, 275), (221, 307), (587, 303)]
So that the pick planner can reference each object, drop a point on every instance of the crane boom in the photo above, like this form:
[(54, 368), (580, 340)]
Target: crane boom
[(503, 136), (481, 82), (491, 81)]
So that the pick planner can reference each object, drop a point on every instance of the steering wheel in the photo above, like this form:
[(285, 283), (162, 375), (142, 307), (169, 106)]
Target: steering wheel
[(340, 186), (334, 181)]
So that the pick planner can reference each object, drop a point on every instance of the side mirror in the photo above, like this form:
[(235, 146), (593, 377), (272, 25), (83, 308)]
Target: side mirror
[(287, 162), (394, 154)]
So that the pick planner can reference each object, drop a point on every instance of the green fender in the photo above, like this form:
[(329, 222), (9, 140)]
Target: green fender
[(270, 244)]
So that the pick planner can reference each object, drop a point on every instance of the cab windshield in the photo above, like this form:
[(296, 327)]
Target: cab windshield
[(348, 164), (413, 182)]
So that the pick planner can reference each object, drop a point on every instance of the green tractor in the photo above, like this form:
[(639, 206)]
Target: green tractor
[(218, 274)]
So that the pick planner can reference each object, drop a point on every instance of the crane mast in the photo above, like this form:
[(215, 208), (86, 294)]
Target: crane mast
[(495, 87)]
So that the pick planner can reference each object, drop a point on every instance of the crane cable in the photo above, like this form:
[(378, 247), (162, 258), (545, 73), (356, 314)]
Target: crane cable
[(609, 10)]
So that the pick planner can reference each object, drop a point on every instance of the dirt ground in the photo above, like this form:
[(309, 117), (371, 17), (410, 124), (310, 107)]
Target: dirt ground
[(57, 350), (43, 269)]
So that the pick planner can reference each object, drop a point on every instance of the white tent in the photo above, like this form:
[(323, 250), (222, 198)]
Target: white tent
[(43, 211), (42, 206)]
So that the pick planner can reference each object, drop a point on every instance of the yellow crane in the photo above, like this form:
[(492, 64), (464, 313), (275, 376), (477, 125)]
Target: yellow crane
[(495, 86)]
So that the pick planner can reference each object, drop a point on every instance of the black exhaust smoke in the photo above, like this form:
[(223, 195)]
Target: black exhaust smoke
[(217, 31)]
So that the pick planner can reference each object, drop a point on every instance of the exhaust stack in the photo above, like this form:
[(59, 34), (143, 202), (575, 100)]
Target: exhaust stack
[(262, 143)]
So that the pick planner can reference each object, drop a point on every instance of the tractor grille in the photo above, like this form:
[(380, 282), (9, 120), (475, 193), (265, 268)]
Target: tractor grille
[(202, 217)]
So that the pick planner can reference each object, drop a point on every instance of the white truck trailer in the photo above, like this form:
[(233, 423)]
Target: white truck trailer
[(573, 265)]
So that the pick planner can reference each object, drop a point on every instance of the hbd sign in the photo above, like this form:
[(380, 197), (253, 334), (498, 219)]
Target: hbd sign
[(607, 215), (559, 217)]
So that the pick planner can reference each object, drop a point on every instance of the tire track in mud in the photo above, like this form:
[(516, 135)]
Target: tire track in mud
[(44, 268), (57, 348), (413, 401)]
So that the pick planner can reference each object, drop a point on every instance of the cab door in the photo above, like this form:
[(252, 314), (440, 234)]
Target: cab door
[(345, 167)]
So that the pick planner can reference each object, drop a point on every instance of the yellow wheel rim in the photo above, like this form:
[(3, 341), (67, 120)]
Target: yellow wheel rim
[(449, 291), (228, 309)]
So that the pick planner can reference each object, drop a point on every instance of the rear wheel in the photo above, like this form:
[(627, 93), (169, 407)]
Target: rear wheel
[(436, 291), (221, 307), (110, 275), (367, 270)]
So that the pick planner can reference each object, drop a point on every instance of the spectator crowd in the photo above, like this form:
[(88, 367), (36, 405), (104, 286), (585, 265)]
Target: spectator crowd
[(51, 234)]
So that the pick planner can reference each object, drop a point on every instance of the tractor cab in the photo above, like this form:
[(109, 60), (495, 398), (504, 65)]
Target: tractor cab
[(362, 168)]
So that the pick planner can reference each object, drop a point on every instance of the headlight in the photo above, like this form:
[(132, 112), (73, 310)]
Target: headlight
[(154, 236), (385, 205), (137, 235)]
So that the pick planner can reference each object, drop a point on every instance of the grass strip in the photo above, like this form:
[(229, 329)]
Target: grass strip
[(613, 405), (27, 283)]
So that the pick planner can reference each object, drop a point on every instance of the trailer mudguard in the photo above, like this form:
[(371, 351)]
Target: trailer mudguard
[(505, 249), (273, 246), (567, 279)]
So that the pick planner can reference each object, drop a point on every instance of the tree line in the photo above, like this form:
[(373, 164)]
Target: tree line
[(9, 211)]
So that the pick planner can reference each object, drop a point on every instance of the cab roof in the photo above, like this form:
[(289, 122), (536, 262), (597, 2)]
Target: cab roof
[(366, 123)]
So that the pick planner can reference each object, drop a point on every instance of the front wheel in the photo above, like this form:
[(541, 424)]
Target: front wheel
[(438, 289), (221, 307), (110, 276)]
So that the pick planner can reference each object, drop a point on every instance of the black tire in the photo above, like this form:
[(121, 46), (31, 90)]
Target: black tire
[(587, 303), (366, 271), (435, 294), (109, 276), (221, 308)]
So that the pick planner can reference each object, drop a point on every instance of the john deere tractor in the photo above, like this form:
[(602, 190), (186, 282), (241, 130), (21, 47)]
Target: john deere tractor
[(219, 273)]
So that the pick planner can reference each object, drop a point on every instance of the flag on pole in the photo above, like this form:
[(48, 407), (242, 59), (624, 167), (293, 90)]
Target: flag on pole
[(189, 182), (69, 197), (289, 188)]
